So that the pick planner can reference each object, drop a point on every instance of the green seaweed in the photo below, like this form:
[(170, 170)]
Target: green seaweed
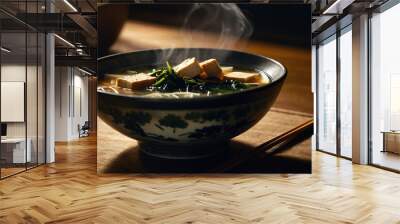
[(168, 81)]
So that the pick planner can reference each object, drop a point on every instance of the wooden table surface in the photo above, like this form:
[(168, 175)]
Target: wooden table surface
[(117, 153)]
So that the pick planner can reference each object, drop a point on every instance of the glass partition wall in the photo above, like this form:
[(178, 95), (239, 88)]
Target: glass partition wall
[(22, 78), (345, 92), (13, 84), (334, 99), (327, 75), (334, 93), (385, 89)]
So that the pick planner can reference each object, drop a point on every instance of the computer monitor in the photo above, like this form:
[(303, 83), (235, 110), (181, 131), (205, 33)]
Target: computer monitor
[(3, 129)]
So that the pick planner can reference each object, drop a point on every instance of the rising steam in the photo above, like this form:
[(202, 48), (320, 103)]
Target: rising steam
[(218, 25), (226, 20)]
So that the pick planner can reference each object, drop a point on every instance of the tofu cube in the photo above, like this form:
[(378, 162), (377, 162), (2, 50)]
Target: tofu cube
[(203, 75), (122, 82), (212, 69), (111, 78), (227, 70), (188, 68), (244, 76), (135, 82)]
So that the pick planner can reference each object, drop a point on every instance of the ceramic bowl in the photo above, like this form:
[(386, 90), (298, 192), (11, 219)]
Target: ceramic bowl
[(188, 128)]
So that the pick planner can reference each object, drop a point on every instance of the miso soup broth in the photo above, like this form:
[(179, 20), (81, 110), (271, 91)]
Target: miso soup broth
[(187, 79)]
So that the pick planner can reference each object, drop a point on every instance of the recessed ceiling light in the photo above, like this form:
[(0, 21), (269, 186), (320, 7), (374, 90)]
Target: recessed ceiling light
[(70, 5), (5, 50), (84, 71), (337, 7), (64, 40)]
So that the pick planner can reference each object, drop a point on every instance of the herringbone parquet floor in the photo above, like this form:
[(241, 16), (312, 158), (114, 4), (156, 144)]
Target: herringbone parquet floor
[(70, 191)]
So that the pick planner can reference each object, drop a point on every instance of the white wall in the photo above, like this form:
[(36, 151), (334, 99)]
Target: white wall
[(80, 97), (33, 126), (61, 103), (71, 102), (12, 73)]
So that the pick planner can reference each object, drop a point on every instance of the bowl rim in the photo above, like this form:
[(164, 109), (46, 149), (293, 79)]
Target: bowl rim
[(197, 98)]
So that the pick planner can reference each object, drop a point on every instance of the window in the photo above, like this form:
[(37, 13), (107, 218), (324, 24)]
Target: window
[(346, 92), (335, 74), (385, 89), (326, 96)]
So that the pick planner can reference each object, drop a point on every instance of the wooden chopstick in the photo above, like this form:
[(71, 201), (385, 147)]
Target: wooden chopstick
[(277, 144), (280, 142)]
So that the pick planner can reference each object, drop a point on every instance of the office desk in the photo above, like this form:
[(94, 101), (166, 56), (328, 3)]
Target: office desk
[(13, 150)]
